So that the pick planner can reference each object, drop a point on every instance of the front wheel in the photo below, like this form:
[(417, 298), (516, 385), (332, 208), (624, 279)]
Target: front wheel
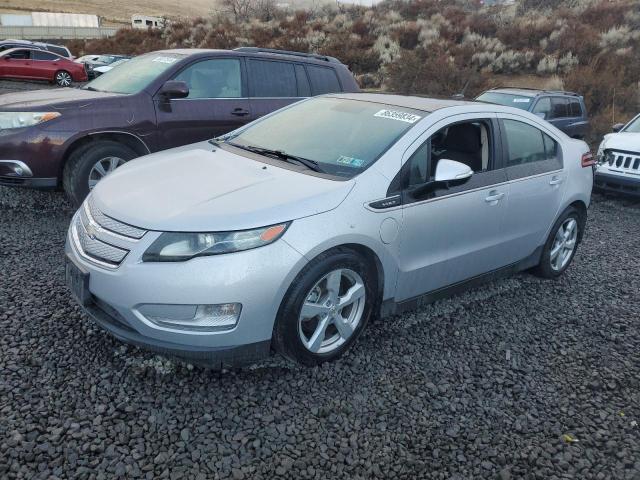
[(326, 308), (91, 163), (63, 78), (561, 245)]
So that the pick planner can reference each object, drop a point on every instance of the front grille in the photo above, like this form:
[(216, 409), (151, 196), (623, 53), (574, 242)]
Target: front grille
[(626, 162), (102, 239), (111, 224), (96, 249)]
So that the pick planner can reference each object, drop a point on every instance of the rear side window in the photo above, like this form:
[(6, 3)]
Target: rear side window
[(559, 107), (527, 144), (219, 78), (575, 109), (323, 80), (272, 79), (42, 55), (304, 89)]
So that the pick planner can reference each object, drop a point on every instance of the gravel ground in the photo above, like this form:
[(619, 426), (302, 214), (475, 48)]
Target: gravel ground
[(522, 378), (11, 86)]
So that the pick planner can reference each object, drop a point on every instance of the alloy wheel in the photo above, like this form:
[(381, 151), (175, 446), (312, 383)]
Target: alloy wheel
[(102, 168), (332, 311), (63, 79), (564, 244)]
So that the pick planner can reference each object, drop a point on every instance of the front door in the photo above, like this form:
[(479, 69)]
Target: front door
[(16, 64), (216, 103), (534, 167), (452, 233)]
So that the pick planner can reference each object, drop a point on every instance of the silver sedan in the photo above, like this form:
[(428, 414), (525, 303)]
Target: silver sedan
[(292, 232)]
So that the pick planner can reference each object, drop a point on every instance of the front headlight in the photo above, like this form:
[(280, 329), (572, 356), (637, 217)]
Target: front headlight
[(24, 119), (178, 247)]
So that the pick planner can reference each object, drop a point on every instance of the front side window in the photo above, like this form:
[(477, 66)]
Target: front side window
[(343, 136), (218, 78), (522, 102), (272, 79), (465, 142), (526, 144), (20, 54), (140, 72), (543, 106), (323, 80)]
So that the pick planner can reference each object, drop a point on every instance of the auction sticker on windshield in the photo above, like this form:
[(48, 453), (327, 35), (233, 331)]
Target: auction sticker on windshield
[(397, 115)]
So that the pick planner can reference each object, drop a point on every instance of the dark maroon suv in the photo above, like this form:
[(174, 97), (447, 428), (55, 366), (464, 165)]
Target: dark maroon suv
[(72, 138)]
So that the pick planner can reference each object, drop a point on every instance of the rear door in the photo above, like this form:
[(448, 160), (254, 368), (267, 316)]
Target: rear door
[(44, 64), (534, 168), (274, 84), (217, 103)]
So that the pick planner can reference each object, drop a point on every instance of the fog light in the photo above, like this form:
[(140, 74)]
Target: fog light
[(222, 316), (18, 170)]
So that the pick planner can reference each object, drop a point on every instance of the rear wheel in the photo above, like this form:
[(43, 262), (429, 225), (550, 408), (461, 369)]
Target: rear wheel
[(90, 164), (326, 308), (561, 245), (63, 78)]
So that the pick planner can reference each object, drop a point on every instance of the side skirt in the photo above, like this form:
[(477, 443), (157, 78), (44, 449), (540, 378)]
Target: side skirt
[(391, 307)]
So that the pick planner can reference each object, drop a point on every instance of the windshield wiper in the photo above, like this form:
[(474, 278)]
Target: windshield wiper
[(91, 89), (287, 157)]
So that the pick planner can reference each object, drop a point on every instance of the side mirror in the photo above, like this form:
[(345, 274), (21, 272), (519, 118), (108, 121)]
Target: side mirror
[(174, 89), (617, 127), (452, 171), (542, 115)]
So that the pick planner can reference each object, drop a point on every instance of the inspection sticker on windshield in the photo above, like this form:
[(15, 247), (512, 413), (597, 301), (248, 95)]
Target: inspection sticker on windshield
[(521, 100), (352, 162), (396, 115), (164, 59)]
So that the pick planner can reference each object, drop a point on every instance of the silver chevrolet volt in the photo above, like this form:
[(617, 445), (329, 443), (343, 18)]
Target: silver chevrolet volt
[(291, 233)]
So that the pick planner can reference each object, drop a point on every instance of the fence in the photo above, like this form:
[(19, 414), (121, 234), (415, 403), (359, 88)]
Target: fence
[(55, 33)]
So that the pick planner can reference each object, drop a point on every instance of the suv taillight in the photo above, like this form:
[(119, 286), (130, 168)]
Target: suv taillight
[(588, 160)]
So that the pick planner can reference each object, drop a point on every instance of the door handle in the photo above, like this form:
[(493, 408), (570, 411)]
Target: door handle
[(240, 112), (555, 181), (494, 197)]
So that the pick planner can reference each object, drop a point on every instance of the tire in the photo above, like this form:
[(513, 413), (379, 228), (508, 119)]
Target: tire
[(79, 167), (62, 78), (550, 266), (290, 330)]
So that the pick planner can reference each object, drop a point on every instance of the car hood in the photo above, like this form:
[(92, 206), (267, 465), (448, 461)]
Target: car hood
[(629, 141), (198, 188), (57, 98)]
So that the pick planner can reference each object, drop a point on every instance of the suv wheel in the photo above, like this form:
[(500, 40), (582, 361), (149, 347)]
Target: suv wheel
[(63, 78), (561, 245), (326, 308), (90, 164)]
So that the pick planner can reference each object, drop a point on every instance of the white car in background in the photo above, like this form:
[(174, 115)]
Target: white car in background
[(618, 167), (106, 68)]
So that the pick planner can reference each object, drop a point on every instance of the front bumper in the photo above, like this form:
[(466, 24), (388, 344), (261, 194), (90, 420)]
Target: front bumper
[(16, 173), (618, 183), (257, 279)]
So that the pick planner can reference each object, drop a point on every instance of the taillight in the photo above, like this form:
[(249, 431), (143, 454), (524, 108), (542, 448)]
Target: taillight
[(588, 160)]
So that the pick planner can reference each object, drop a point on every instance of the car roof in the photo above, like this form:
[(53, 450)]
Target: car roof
[(531, 92), (425, 104), (250, 52)]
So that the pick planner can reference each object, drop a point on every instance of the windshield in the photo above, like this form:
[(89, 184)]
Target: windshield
[(633, 126), (343, 136), (140, 72), (106, 59), (508, 99)]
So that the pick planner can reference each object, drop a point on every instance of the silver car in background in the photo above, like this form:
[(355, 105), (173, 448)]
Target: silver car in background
[(295, 230)]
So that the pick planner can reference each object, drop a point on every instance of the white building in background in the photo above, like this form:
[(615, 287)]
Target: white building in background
[(145, 21), (49, 19), (362, 3)]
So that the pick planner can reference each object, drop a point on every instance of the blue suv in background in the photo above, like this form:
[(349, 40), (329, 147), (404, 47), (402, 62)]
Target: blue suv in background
[(564, 110)]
